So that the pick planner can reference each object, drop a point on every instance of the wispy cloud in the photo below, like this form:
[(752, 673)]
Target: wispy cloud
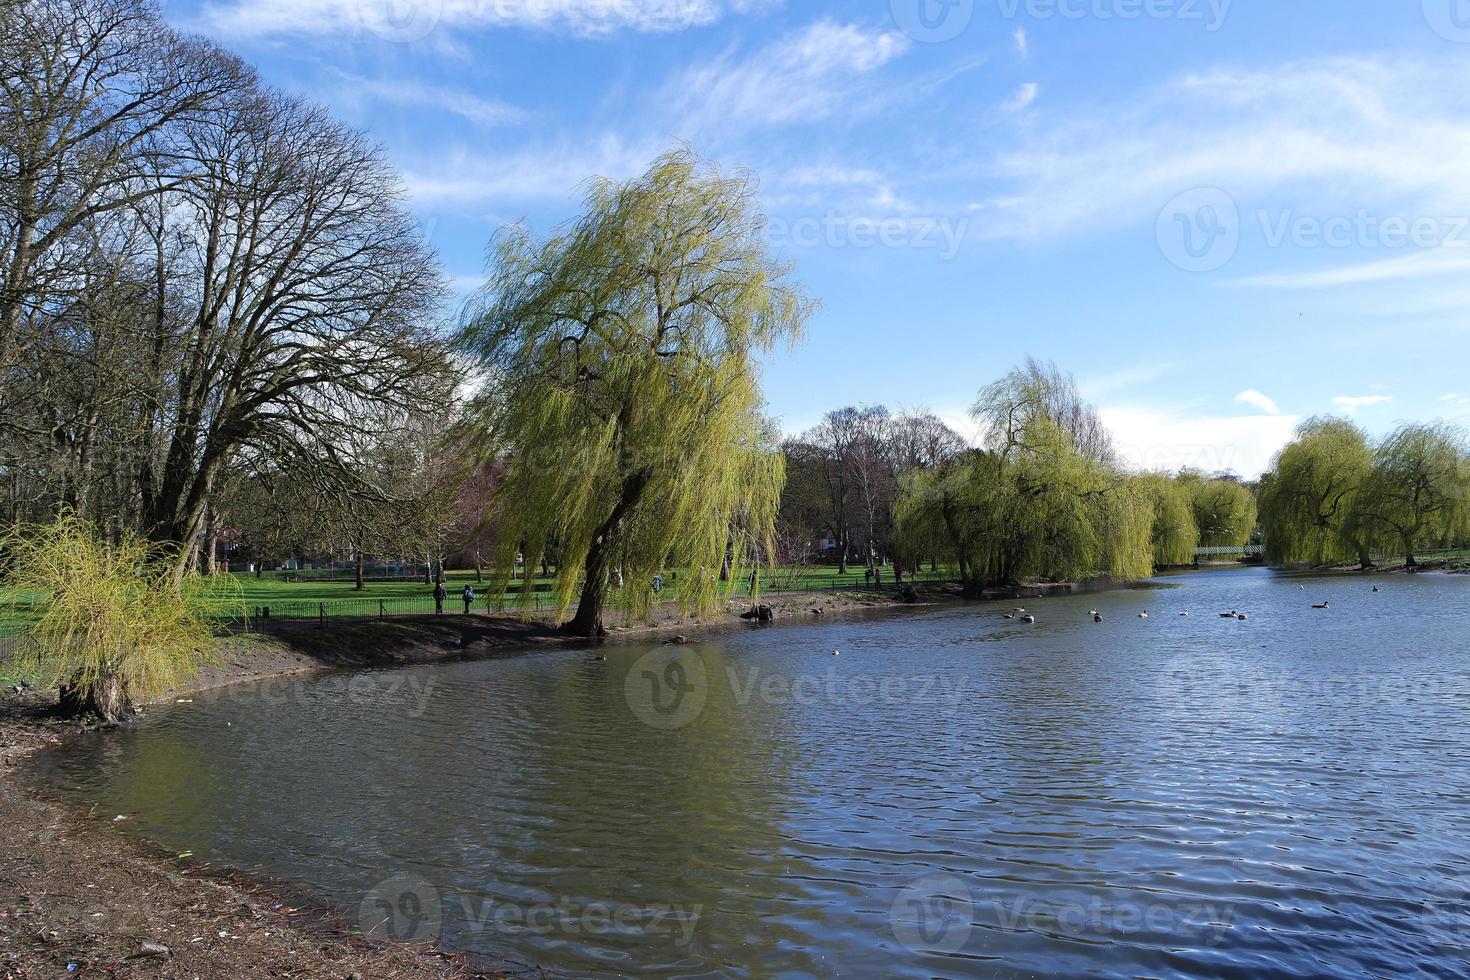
[(1353, 404), (1343, 133), (804, 77), (1255, 399), (1415, 266), (418, 95), (1096, 386), (1022, 42), (414, 19), (1025, 95), (550, 171)]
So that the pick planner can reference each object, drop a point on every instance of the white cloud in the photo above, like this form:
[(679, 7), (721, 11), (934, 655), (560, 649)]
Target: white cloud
[(1153, 439), (1023, 43), (414, 19), (1255, 399), (1341, 134), (405, 92), (551, 172), (1417, 265), (798, 79), (1096, 386), (1352, 404), (1025, 95)]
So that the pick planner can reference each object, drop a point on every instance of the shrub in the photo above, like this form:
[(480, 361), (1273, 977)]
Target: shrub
[(111, 624)]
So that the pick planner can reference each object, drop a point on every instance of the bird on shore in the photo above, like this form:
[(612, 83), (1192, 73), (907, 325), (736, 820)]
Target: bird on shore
[(1320, 605)]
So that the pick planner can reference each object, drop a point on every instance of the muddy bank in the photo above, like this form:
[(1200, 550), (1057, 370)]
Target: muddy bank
[(81, 897)]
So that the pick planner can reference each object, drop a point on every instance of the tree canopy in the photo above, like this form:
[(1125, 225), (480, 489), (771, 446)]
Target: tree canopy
[(622, 386)]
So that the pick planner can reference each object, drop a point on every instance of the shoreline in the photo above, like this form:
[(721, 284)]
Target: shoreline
[(220, 921), (79, 895)]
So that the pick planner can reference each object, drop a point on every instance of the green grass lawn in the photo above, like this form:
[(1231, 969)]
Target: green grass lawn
[(304, 597)]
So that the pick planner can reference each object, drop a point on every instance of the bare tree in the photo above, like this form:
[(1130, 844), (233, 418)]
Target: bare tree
[(89, 90), (293, 295)]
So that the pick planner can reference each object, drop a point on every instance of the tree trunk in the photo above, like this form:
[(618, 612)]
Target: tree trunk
[(361, 582), (588, 620), (211, 546), (107, 699), (841, 553)]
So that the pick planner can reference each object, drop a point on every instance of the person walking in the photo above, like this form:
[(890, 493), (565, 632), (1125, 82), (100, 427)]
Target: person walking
[(440, 593), (469, 598)]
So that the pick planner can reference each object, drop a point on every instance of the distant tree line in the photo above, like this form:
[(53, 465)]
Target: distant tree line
[(1043, 496)]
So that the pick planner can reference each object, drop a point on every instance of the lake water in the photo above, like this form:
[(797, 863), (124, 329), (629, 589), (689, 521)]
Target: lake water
[(956, 794)]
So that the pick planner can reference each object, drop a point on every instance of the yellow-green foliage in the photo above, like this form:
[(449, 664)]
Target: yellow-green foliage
[(108, 614), (1174, 533), (625, 397), (1311, 498), (1037, 510), (1417, 494), (1224, 512)]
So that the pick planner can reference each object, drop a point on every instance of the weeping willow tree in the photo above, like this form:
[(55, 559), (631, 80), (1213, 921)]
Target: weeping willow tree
[(622, 388), (113, 624), (1224, 511), (1417, 494), (1041, 500), (1174, 534), (1311, 499)]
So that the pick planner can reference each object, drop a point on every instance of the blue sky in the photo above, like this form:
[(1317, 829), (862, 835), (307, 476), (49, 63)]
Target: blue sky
[(1222, 215)]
